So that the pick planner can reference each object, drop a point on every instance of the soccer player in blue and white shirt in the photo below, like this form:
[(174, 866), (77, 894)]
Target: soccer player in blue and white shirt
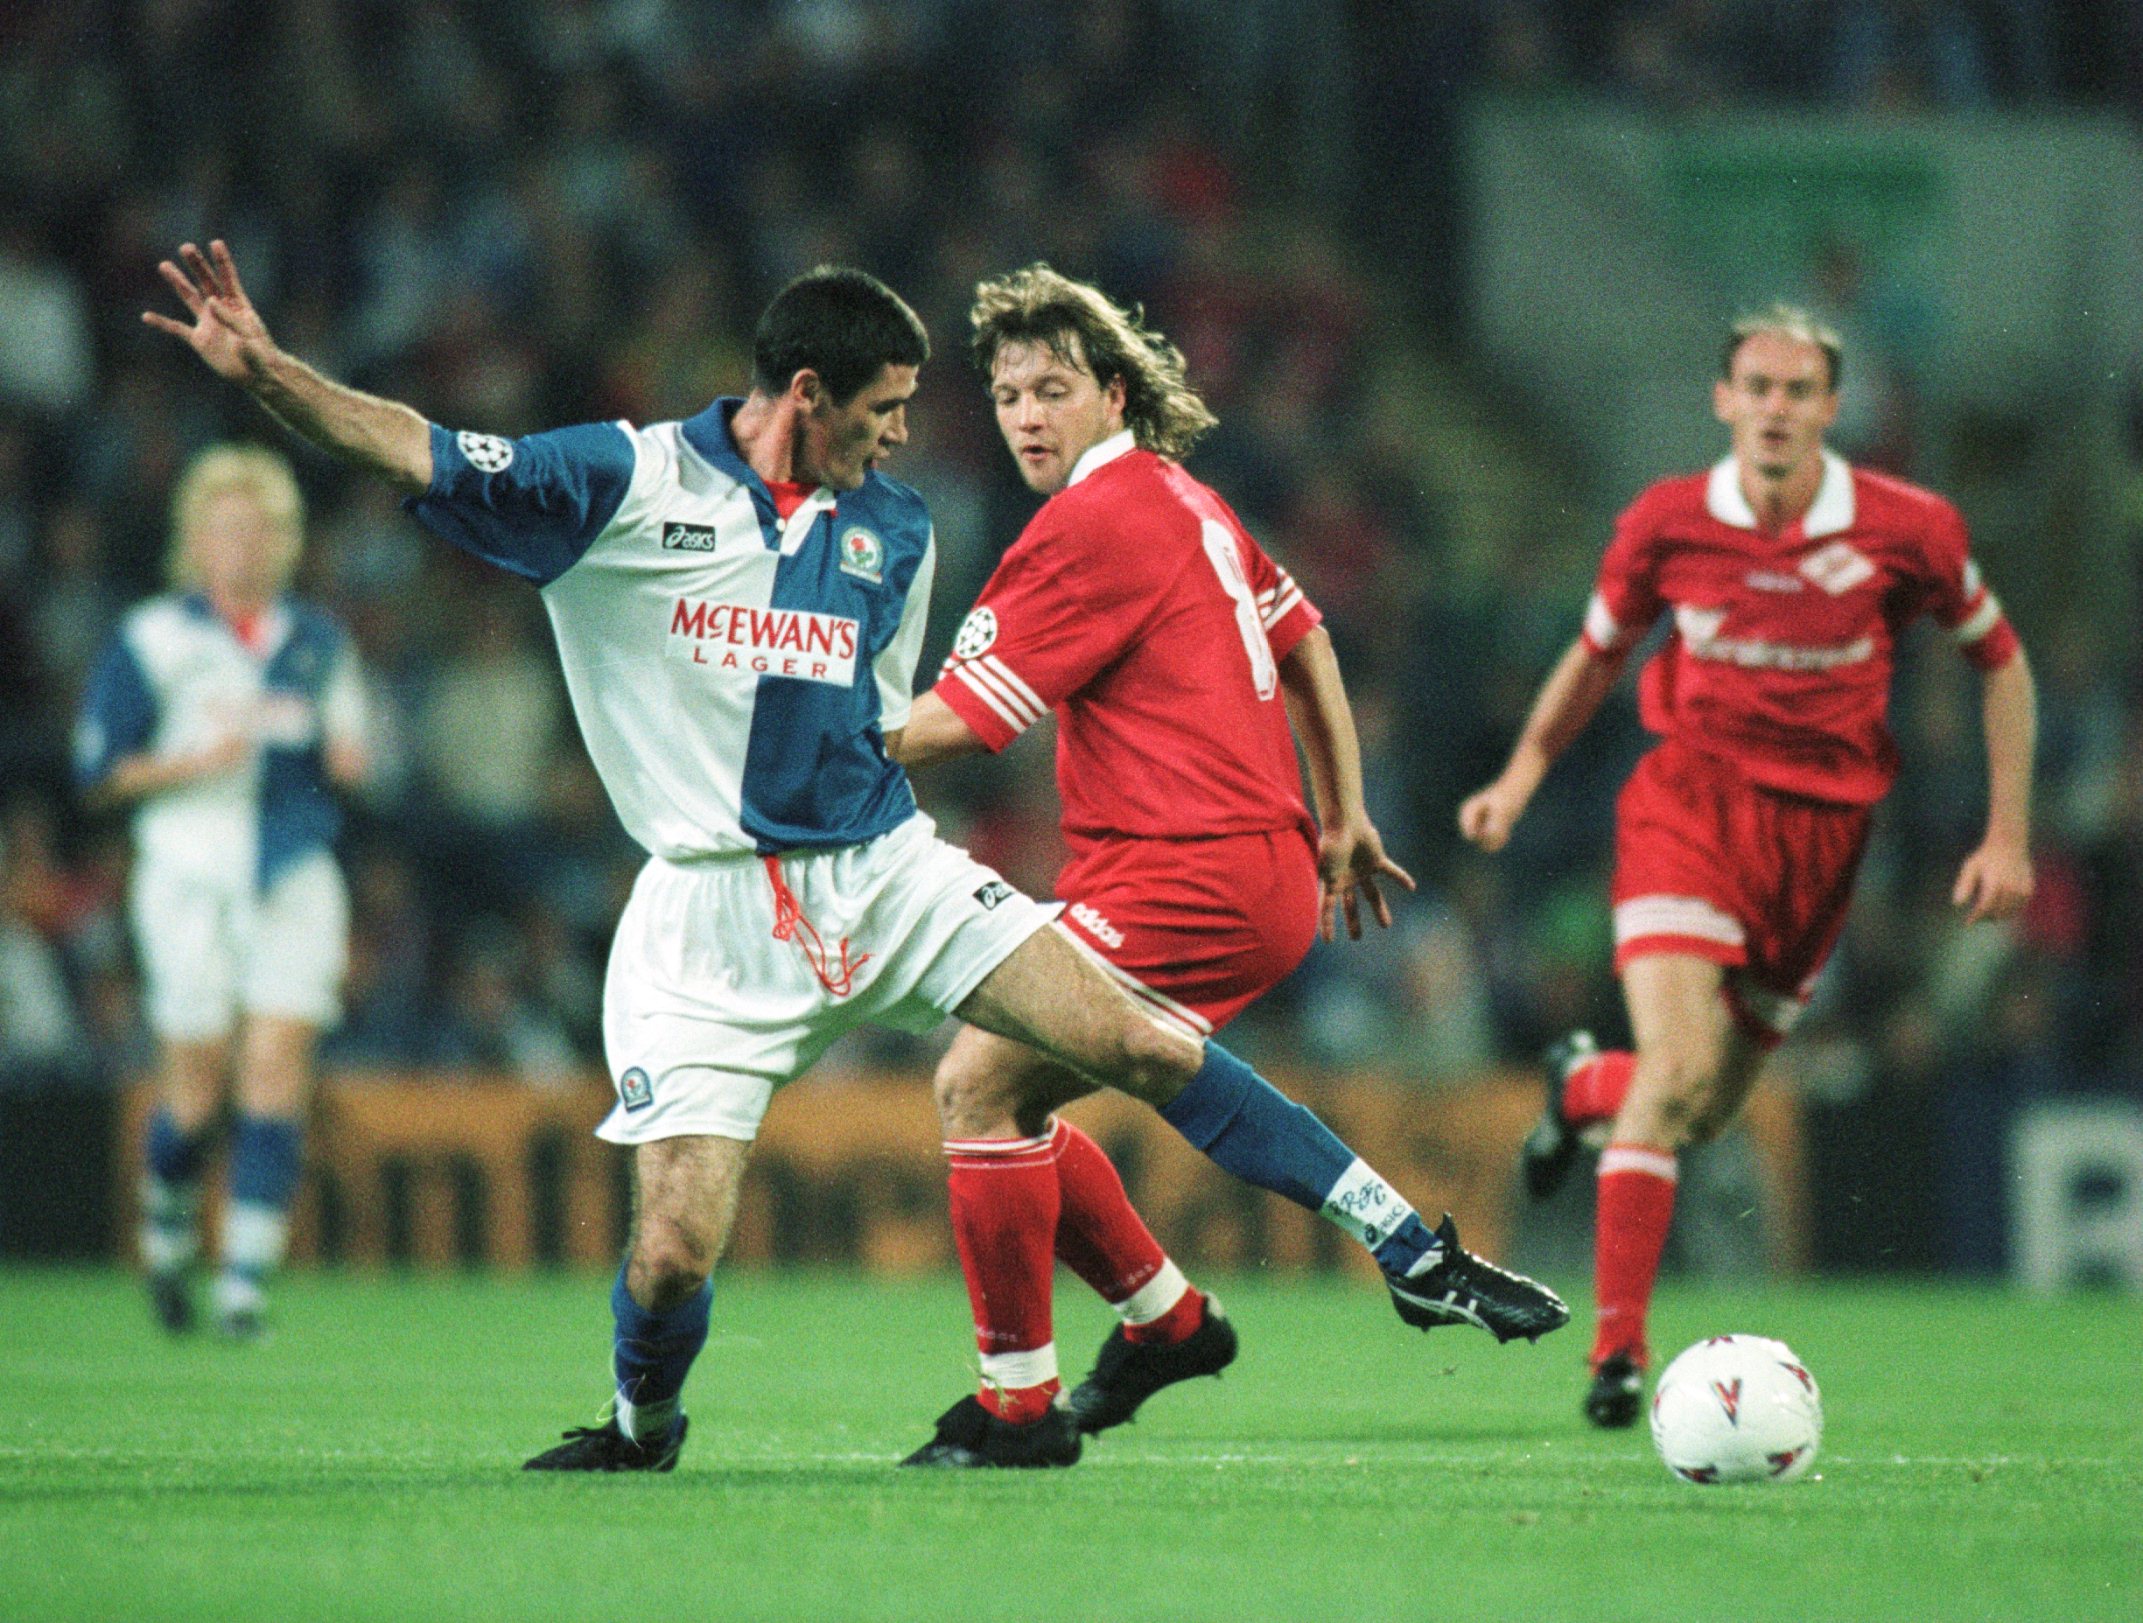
[(225, 714), (738, 600)]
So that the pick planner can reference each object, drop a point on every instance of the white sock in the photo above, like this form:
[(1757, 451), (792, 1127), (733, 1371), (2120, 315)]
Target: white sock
[(235, 1293), (643, 1420), (1365, 1205), (254, 1237), (1154, 1298), (170, 1225)]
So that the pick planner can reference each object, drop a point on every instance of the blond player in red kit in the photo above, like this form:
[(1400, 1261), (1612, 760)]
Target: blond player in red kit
[(1790, 577), (1174, 653)]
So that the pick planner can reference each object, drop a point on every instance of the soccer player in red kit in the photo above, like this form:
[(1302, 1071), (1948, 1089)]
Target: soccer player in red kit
[(1173, 651), (1790, 576)]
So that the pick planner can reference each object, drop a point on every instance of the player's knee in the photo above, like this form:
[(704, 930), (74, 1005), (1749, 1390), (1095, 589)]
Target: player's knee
[(1719, 1105), (967, 1096), (1152, 1063), (1681, 1084), (1706, 1122), (670, 1261)]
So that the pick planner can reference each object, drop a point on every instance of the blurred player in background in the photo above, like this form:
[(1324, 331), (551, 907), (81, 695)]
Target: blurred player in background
[(1790, 576), (224, 714), (1173, 652), (738, 600)]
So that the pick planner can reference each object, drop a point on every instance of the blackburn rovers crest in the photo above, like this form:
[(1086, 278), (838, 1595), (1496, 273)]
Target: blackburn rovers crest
[(862, 554)]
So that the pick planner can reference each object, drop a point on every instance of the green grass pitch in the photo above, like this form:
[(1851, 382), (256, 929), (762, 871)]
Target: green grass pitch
[(1983, 1459)]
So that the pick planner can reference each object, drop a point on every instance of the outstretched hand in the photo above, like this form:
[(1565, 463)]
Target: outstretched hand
[(1350, 862), (226, 331)]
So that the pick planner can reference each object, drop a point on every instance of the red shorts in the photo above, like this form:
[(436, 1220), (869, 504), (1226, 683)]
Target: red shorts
[(1194, 930), (1709, 864)]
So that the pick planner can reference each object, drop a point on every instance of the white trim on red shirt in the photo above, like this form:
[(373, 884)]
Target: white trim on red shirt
[(1831, 512), (1100, 453)]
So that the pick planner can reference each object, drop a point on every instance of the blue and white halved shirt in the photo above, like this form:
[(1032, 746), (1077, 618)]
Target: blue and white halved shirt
[(734, 674), (175, 680)]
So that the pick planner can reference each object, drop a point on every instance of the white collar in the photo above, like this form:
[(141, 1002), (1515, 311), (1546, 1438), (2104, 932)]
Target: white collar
[(796, 528), (1831, 511), (1100, 453)]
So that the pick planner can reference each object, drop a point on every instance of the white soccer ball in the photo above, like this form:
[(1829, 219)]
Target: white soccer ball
[(1737, 1409)]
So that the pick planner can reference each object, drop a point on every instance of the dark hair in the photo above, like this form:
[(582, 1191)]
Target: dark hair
[(1038, 305), (843, 324), (1793, 322)]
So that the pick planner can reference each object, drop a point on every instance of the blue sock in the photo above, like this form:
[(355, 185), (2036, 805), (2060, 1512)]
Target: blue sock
[(174, 1157), (266, 1158), (650, 1355), (171, 1194), (1250, 1128)]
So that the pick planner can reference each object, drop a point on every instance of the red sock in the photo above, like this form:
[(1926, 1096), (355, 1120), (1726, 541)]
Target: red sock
[(1102, 1239), (1099, 1237), (1177, 1324), (1635, 1208), (1004, 1221), (1595, 1090)]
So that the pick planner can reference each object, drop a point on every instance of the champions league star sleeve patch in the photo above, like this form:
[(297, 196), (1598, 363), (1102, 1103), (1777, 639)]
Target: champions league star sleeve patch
[(978, 633), (486, 452), (531, 506)]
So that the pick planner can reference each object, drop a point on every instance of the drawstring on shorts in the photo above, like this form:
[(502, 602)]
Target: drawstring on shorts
[(791, 925)]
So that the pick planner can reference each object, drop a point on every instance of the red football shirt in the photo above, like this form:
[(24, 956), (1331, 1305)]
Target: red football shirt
[(1137, 607), (1783, 645)]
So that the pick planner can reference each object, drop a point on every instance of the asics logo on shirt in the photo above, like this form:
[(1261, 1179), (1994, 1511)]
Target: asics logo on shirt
[(739, 637), (688, 538), (1700, 636)]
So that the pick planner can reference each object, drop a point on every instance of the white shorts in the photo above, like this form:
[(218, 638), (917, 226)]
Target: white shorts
[(706, 1012), (210, 947)]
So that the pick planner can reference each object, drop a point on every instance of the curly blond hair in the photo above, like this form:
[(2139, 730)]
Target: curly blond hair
[(218, 471), (1038, 305)]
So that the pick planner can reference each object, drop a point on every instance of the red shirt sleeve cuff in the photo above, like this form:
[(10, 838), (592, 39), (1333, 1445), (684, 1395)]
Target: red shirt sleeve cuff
[(979, 712), (1297, 623), (1997, 648)]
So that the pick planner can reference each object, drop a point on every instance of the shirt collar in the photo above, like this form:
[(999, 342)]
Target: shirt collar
[(1831, 511), (712, 436), (274, 620), (1100, 454), (709, 434)]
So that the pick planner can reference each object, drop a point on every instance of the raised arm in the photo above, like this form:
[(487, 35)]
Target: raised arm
[(1350, 858), (1568, 700), (1996, 879), (228, 334)]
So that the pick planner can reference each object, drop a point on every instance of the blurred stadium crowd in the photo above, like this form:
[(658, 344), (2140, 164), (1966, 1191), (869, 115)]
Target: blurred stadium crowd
[(516, 215)]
